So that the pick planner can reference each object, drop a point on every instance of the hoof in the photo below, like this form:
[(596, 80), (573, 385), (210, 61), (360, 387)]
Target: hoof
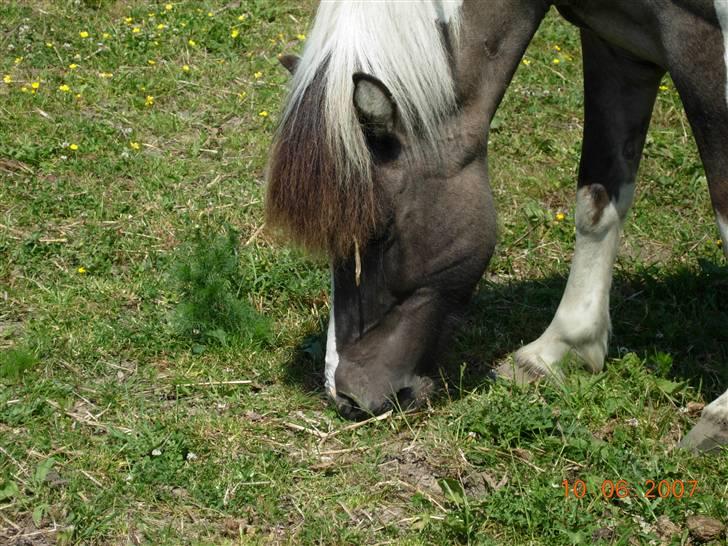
[(706, 436)]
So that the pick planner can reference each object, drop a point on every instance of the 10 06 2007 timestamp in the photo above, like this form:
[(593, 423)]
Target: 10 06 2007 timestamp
[(620, 489)]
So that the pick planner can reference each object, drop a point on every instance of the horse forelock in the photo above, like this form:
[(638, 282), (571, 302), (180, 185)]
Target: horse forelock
[(320, 185)]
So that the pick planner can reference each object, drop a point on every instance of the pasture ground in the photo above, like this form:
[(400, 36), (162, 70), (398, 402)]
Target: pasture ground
[(128, 127)]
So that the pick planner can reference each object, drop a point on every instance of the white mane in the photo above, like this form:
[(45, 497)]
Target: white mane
[(399, 42)]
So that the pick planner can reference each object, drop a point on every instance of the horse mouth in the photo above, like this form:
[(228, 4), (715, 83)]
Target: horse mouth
[(405, 399)]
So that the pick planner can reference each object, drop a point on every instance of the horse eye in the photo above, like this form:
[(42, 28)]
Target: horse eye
[(384, 148)]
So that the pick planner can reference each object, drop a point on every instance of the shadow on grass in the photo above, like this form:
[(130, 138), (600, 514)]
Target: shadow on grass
[(680, 315)]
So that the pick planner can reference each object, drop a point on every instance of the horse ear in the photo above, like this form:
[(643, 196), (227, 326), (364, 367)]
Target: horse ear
[(290, 62), (374, 104)]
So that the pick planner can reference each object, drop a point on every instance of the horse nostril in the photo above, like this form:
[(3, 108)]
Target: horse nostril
[(349, 408), (406, 398)]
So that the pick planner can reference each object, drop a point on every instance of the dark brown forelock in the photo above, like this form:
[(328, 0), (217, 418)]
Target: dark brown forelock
[(309, 199)]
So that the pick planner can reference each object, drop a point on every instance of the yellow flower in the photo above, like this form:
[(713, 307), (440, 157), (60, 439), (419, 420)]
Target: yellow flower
[(192, 42), (263, 114), (242, 17), (24, 89), (161, 26), (136, 30), (556, 61), (168, 7), (134, 145), (128, 20), (106, 35), (73, 147), (557, 47), (7, 78), (185, 68), (18, 60), (664, 88), (560, 216), (719, 242), (49, 44), (64, 88), (106, 75), (35, 85), (83, 34), (151, 62), (526, 62), (81, 270), (210, 14), (78, 96), (149, 101), (242, 95), (258, 75), (234, 33), (73, 66), (151, 15), (301, 37)]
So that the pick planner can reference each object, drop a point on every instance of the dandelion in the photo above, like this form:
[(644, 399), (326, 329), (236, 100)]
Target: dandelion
[(263, 114), (557, 47), (73, 147), (301, 37), (210, 14), (136, 30), (526, 62), (258, 75), (149, 101), (128, 20), (664, 88), (106, 35), (7, 78), (81, 270), (234, 33), (35, 85), (64, 88), (185, 68), (556, 61), (49, 44), (560, 216), (18, 60), (191, 42), (73, 66), (151, 62), (168, 7), (83, 34), (161, 26), (134, 145), (242, 17)]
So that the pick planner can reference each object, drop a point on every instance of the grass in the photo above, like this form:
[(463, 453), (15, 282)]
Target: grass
[(117, 426)]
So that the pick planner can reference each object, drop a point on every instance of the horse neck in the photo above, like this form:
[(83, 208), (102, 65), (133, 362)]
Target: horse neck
[(492, 43)]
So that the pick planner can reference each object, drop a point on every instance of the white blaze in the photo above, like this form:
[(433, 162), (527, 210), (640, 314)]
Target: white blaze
[(332, 355)]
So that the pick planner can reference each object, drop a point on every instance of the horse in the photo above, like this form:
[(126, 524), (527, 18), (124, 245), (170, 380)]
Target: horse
[(380, 163)]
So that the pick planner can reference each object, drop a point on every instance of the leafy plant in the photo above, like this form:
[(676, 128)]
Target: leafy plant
[(14, 363), (211, 308)]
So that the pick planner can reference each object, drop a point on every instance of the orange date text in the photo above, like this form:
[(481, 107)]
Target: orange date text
[(620, 489)]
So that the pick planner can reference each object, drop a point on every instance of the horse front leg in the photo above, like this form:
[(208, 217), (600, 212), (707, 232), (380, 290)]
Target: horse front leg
[(620, 93)]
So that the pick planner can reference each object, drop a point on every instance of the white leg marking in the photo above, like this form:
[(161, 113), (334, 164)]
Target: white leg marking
[(332, 356), (582, 319), (711, 430)]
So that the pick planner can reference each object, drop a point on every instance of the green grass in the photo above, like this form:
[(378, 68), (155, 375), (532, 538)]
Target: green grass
[(118, 425)]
